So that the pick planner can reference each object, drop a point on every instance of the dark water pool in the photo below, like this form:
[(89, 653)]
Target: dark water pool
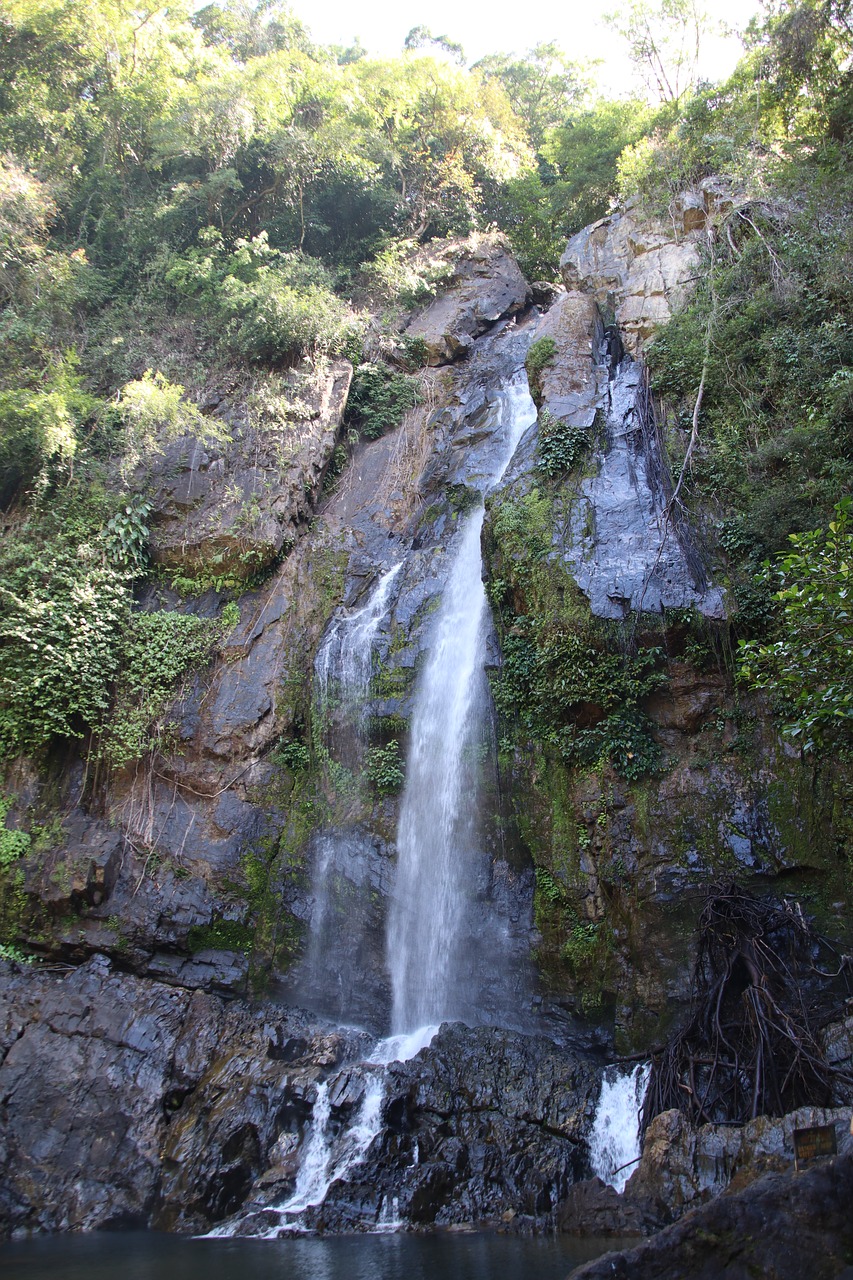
[(139, 1256)]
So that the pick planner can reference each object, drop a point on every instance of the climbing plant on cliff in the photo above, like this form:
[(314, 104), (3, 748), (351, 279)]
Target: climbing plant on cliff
[(807, 665)]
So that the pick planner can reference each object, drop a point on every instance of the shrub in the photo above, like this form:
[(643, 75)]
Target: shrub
[(808, 665), (157, 650), (378, 399), (385, 770), (561, 444), (540, 354), (275, 306), (62, 617)]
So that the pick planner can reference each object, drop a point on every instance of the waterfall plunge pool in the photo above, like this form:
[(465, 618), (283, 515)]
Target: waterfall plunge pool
[(151, 1256)]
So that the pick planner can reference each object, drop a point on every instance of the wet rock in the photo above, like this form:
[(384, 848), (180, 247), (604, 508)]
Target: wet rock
[(623, 548), (481, 1123), (485, 287), (592, 1208), (572, 383)]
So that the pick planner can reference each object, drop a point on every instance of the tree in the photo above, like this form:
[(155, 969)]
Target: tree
[(664, 38), (543, 86), (422, 38)]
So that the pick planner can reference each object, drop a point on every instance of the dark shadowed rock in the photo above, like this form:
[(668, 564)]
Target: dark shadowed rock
[(783, 1227)]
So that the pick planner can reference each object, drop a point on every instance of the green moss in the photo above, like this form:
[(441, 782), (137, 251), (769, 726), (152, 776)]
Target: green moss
[(540, 354), (220, 935)]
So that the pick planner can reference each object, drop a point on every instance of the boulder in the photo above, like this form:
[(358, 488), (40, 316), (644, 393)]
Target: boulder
[(486, 286), (784, 1226)]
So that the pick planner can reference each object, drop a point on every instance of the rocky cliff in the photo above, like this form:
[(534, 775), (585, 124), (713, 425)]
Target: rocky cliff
[(621, 776)]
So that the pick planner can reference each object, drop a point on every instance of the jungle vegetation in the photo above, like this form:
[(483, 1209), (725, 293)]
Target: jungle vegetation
[(184, 189)]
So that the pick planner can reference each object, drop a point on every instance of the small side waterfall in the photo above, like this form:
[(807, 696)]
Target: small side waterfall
[(614, 1146), (431, 973), (344, 660)]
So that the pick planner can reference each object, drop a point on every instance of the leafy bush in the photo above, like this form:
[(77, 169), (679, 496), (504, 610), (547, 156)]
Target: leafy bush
[(808, 665), (562, 445), (385, 770), (378, 399), (540, 354), (63, 611), (13, 844), (275, 306), (157, 650), (39, 428)]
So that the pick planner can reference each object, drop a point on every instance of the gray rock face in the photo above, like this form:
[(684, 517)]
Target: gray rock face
[(482, 1125), (682, 1167), (127, 1102), (625, 549), (228, 508), (486, 286), (639, 270), (615, 531)]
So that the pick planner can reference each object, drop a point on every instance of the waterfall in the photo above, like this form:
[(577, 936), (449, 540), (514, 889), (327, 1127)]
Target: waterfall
[(330, 1153), (614, 1146), (436, 839), (344, 660)]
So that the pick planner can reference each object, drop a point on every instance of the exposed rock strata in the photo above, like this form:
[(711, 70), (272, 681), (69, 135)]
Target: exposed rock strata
[(228, 506), (486, 286), (641, 269)]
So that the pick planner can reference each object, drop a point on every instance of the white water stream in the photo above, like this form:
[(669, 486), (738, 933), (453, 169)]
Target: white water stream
[(437, 829), (328, 1156), (614, 1146), (344, 660)]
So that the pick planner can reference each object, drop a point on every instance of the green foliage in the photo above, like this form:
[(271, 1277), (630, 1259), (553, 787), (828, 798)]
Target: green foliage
[(584, 155), (566, 681), (385, 769), (157, 651), (274, 306), (562, 445), (539, 355), (623, 739), (402, 273), (807, 666), (378, 399), (63, 611), (39, 428), (220, 935), (293, 754), (13, 844), (126, 536)]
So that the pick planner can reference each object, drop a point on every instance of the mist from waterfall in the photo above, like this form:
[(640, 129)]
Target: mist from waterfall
[(428, 949)]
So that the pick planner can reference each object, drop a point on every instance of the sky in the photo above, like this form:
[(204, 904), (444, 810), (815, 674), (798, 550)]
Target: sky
[(507, 26)]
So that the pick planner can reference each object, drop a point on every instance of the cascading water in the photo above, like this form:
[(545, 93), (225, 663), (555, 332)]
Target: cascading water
[(431, 979), (329, 978), (437, 840), (344, 660), (330, 1153), (614, 1146)]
